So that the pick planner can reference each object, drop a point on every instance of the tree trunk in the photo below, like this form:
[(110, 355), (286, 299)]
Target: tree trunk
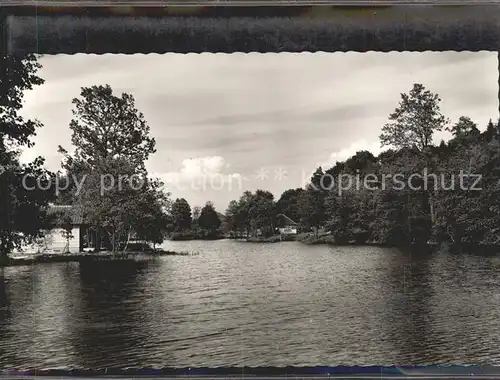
[(3, 247), (431, 210), (113, 243), (98, 240), (128, 239)]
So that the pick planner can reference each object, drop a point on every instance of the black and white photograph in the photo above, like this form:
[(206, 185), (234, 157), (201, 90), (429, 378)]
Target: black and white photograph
[(261, 210)]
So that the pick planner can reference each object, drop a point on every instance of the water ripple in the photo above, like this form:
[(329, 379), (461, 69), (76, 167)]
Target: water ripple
[(242, 304)]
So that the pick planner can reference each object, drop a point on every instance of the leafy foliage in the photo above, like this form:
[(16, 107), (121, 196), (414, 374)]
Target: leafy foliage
[(25, 190), (105, 125), (107, 179), (415, 120), (106, 173), (417, 194), (181, 215), (209, 221), (288, 203)]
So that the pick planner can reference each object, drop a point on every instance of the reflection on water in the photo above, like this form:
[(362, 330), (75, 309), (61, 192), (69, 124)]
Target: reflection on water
[(254, 304)]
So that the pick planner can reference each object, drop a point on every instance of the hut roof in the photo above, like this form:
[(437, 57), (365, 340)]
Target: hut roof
[(62, 213), (286, 220)]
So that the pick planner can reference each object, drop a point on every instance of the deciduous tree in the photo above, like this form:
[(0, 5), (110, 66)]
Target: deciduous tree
[(23, 199), (181, 215), (209, 220), (414, 121)]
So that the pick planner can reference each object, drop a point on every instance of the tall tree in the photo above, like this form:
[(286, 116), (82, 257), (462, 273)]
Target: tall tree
[(312, 208), (209, 220), (232, 219), (318, 179), (244, 206), (109, 197), (465, 127), (489, 134), (67, 230), (262, 212), (105, 125), (362, 162), (153, 213), (19, 74), (415, 120), (111, 142), (181, 215), (412, 125), (311, 202), (288, 203), (25, 190)]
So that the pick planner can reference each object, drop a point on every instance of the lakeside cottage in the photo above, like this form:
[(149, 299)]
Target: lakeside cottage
[(286, 226), (69, 233), (67, 219)]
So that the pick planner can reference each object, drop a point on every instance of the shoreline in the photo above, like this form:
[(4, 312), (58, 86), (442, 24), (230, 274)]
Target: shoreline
[(136, 256), (200, 239), (309, 239)]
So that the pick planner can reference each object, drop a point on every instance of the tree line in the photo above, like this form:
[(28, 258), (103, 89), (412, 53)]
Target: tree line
[(111, 139), (437, 207), (199, 223)]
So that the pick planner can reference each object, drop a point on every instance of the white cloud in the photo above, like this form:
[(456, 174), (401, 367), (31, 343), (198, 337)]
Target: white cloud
[(357, 146), (344, 154), (198, 169), (256, 111)]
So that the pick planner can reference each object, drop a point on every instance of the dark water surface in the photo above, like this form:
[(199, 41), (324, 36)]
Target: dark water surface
[(256, 305)]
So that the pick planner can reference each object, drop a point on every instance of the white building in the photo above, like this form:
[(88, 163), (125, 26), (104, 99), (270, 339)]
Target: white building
[(286, 226), (57, 240)]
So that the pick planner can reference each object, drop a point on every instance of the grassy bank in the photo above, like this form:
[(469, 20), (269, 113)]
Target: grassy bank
[(258, 239), (306, 238), (77, 257), (312, 239), (482, 249), (188, 236)]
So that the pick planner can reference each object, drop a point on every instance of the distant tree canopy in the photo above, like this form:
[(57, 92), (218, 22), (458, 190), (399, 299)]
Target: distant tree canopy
[(108, 179), (209, 220), (464, 128), (152, 213), (181, 215), (437, 208), (414, 121), (288, 204), (362, 162), (254, 213), (203, 223)]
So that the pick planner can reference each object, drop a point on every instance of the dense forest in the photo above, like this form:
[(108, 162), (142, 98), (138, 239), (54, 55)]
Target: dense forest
[(413, 192), (455, 197)]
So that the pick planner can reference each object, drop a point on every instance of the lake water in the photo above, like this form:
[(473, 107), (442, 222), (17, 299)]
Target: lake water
[(250, 304)]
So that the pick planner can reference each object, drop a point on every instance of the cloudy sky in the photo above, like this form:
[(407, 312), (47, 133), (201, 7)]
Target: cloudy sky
[(225, 123)]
